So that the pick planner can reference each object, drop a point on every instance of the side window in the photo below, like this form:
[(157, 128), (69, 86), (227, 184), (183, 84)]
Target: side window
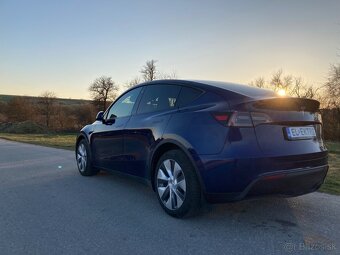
[(188, 95), (159, 98), (123, 107)]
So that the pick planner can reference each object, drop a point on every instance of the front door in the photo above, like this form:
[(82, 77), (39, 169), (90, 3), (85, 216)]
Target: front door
[(107, 140)]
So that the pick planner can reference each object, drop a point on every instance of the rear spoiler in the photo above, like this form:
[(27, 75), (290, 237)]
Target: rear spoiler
[(287, 104)]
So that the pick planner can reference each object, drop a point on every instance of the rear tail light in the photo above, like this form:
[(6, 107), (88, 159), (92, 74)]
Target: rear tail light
[(222, 117), (318, 117), (242, 119), (260, 118)]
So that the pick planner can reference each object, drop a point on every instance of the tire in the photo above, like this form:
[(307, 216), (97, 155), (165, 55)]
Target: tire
[(177, 187), (83, 158)]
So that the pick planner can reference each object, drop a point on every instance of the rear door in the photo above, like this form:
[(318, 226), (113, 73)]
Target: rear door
[(146, 127)]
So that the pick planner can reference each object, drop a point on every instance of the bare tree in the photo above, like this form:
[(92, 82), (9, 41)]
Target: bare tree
[(259, 82), (61, 116), (103, 90), (133, 82), (167, 76), (331, 111), (47, 102), (292, 85), (149, 71), (328, 95), (333, 87), (19, 109), (3, 112), (280, 81)]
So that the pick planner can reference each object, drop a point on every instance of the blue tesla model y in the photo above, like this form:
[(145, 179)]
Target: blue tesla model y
[(204, 140)]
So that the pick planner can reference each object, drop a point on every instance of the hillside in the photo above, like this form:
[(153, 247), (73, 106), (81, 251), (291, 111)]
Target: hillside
[(62, 101)]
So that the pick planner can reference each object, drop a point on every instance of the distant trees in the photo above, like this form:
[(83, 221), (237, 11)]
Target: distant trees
[(149, 70), (333, 87), (331, 111), (103, 90), (292, 85), (167, 76), (3, 112), (47, 102), (328, 94), (133, 82), (54, 114), (45, 113), (19, 109)]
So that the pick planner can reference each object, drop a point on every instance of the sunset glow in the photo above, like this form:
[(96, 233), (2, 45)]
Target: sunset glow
[(281, 92), (62, 46)]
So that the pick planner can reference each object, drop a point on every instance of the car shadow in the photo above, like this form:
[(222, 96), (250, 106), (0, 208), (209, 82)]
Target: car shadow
[(273, 219)]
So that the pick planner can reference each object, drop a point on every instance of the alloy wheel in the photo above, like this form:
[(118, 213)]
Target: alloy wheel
[(81, 157), (171, 184)]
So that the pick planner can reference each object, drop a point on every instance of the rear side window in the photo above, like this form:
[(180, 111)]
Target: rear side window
[(188, 95), (159, 98)]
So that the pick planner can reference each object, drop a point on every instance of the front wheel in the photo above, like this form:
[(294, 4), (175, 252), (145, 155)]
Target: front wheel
[(83, 158), (177, 187)]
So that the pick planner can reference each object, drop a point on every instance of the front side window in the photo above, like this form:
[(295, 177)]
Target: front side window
[(159, 98), (123, 107)]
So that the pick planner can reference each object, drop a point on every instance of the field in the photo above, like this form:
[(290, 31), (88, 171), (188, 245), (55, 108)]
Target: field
[(64, 141), (61, 101), (67, 141)]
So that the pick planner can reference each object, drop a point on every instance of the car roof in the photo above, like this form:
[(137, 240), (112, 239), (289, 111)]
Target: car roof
[(241, 89)]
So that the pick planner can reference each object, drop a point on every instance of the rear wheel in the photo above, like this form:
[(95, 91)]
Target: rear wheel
[(83, 158), (177, 187)]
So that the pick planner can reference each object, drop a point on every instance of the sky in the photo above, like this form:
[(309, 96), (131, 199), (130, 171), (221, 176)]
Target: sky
[(63, 45)]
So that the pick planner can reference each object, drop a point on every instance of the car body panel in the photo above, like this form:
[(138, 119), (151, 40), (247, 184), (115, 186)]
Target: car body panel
[(206, 137), (143, 132), (107, 144)]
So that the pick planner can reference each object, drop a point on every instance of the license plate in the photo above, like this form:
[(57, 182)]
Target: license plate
[(298, 133)]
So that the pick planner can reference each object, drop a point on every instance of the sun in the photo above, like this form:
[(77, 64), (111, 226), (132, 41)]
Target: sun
[(281, 92)]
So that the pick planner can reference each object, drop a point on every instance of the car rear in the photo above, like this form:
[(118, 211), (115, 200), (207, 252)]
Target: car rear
[(273, 146)]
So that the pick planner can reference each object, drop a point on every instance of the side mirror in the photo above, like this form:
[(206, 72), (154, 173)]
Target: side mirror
[(100, 116), (111, 120)]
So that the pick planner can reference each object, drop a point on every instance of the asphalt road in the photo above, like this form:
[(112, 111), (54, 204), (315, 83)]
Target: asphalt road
[(46, 207)]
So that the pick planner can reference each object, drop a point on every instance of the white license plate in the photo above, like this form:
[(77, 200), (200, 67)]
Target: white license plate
[(296, 133)]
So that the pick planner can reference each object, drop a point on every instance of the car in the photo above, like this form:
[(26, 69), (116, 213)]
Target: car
[(207, 141)]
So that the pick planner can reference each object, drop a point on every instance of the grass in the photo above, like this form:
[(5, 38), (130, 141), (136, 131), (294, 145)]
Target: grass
[(62, 141), (332, 182), (67, 141)]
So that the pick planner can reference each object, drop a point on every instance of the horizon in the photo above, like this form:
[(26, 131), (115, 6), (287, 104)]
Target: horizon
[(57, 97), (63, 46)]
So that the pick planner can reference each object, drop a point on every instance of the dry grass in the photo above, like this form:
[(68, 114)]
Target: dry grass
[(64, 141), (332, 182)]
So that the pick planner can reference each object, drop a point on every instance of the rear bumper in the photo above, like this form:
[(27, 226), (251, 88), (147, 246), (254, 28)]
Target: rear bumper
[(287, 183)]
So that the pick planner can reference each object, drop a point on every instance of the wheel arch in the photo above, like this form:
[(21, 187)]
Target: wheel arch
[(167, 145), (80, 137)]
